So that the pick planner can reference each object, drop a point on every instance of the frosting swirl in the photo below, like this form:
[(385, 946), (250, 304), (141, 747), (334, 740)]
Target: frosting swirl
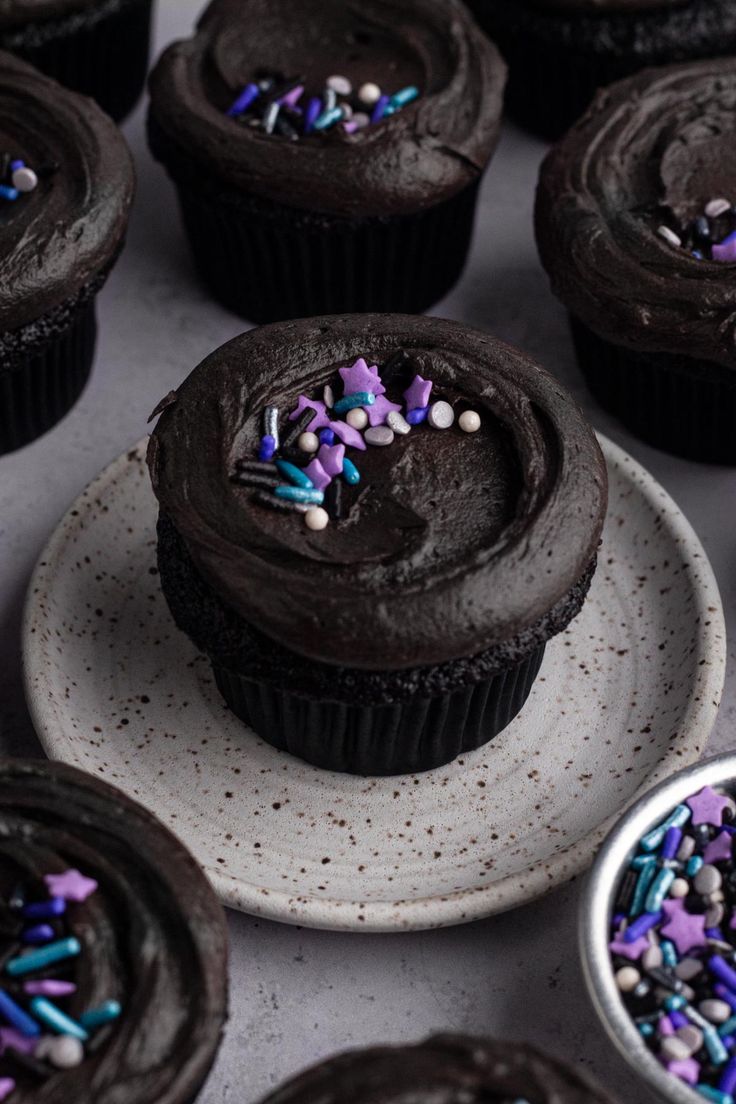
[(18, 13), (423, 154), (456, 543), (660, 143), (61, 236), (445, 1069), (153, 935)]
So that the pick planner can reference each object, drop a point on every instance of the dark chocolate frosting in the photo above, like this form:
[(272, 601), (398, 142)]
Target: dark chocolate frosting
[(655, 147), (456, 543), (418, 157), (446, 1069), (18, 13), (57, 239), (153, 935)]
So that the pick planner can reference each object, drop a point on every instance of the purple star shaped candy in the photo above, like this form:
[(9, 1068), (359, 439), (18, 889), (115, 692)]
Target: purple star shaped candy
[(417, 393), (320, 419), (360, 377), (7, 1086), (719, 849), (380, 410), (71, 885), (349, 436), (725, 251), (687, 1069), (707, 806), (318, 475), (9, 1037), (685, 929), (634, 950), (331, 457)]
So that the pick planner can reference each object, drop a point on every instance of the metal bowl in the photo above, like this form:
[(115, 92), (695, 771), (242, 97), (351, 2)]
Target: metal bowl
[(596, 909)]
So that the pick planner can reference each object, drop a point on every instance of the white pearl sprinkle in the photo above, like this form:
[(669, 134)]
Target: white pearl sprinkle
[(357, 418), (369, 93), (65, 1052), (328, 396), (25, 179), (316, 518), (717, 207), (679, 888), (669, 235), (361, 119), (308, 442), (469, 421), (339, 84), (627, 978)]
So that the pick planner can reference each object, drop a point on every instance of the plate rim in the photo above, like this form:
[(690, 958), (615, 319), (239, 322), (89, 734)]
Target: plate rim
[(461, 906)]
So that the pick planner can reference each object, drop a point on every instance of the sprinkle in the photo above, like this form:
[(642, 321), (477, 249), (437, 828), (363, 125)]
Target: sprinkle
[(328, 396), (309, 412), (725, 252), (349, 436), (380, 436), (8, 193), (7, 1086), (380, 410), (349, 402), (441, 415), (44, 956), (350, 473), (717, 207), (318, 476), (328, 118), (316, 519), (271, 424), (335, 500), (404, 96), (417, 393), (398, 423), (266, 448), (300, 494), (309, 442), (469, 421), (359, 378), (103, 1014), (332, 458), (292, 97), (295, 475), (313, 112), (357, 418), (270, 116), (369, 94), (708, 806), (49, 987), (40, 933), (669, 236), (417, 415), (326, 437), (45, 910), (17, 1016), (379, 109), (339, 85), (65, 1052), (250, 93), (677, 818), (266, 498), (57, 1020), (24, 179)]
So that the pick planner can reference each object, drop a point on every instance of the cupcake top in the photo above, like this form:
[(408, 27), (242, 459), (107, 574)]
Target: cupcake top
[(423, 149), (445, 1069), (17, 13), (57, 237), (620, 210), (113, 968), (457, 529)]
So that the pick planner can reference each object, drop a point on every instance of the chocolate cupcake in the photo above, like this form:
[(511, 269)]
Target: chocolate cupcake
[(372, 524), (114, 951), (328, 162), (560, 51), (66, 185), (445, 1069), (635, 227), (96, 47)]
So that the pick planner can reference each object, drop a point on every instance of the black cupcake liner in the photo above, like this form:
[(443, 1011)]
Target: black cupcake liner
[(101, 51), (267, 262), (37, 389), (676, 403), (404, 738)]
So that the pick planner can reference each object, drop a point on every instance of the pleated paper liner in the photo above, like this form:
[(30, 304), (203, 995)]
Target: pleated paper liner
[(39, 388), (684, 406), (416, 735), (101, 51), (268, 262)]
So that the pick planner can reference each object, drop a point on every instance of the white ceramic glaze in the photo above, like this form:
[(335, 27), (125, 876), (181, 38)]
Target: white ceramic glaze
[(626, 696)]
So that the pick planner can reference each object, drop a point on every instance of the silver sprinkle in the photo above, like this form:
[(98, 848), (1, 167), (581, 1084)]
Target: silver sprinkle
[(379, 435), (441, 415), (270, 117), (271, 423), (398, 423)]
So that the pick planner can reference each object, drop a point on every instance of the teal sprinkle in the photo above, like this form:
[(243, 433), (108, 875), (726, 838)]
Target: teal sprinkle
[(643, 883), (294, 474), (693, 866), (714, 1094), (669, 952), (646, 1029), (659, 889), (300, 494), (351, 402), (727, 1027), (677, 819), (350, 472)]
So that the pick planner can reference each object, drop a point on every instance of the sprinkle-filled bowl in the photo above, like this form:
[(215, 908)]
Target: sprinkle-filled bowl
[(689, 981)]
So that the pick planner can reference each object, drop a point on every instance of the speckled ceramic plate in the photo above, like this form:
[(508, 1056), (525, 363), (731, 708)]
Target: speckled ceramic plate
[(625, 696)]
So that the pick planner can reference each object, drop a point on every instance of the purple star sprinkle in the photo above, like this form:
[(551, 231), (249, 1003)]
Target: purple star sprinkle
[(417, 393), (726, 251), (633, 950), (380, 410), (320, 419), (350, 437), (687, 1069), (719, 849), (71, 885), (685, 930), (331, 457), (9, 1037), (360, 377), (7, 1086), (707, 806), (318, 475)]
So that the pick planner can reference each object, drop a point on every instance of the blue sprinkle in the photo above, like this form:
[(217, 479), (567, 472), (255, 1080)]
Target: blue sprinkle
[(351, 402), (104, 1013), (313, 112), (16, 1016), (693, 866), (44, 956), (45, 910), (267, 448), (714, 1094), (646, 1029), (57, 1020), (326, 437), (39, 933), (350, 472), (380, 109), (328, 118), (294, 474), (7, 192), (677, 818), (669, 952), (300, 494), (404, 96), (250, 93), (417, 415)]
